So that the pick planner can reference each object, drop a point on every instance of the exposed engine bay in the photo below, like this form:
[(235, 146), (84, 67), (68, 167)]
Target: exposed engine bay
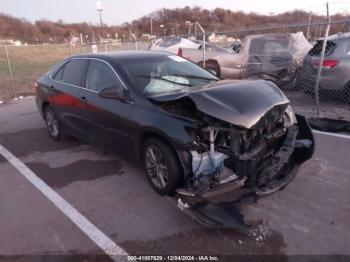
[(239, 149), (223, 153)]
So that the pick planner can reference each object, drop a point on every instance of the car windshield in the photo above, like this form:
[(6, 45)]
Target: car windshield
[(164, 74), (268, 45), (168, 41)]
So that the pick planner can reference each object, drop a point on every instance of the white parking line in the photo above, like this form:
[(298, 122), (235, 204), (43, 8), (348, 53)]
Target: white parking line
[(96, 235), (331, 134)]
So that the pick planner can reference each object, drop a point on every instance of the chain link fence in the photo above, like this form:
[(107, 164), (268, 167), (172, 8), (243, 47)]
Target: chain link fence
[(313, 73), (21, 66), (314, 76)]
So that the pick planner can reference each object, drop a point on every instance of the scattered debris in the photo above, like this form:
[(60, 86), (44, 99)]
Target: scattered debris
[(260, 233), (181, 204)]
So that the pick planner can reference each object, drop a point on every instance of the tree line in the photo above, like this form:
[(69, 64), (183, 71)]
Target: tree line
[(164, 22)]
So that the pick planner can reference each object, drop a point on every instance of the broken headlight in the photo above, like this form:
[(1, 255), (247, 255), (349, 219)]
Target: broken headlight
[(289, 117)]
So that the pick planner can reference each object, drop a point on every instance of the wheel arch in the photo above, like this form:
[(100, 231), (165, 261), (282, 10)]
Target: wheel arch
[(146, 134), (183, 156), (43, 107)]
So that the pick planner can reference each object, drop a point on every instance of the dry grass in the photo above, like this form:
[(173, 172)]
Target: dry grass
[(28, 63)]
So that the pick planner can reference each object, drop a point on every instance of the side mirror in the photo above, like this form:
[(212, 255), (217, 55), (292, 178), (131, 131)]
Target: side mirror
[(118, 93)]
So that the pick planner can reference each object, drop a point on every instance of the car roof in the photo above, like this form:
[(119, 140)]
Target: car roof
[(123, 55)]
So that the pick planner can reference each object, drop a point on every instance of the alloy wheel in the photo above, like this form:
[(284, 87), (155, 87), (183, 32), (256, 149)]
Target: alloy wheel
[(52, 123), (156, 166)]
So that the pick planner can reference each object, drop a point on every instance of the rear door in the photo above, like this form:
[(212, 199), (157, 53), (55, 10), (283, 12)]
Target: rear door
[(106, 121), (67, 82)]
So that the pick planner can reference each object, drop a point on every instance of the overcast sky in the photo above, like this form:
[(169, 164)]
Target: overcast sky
[(119, 11)]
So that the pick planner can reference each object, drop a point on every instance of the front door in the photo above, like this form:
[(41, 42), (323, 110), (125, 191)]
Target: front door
[(107, 121)]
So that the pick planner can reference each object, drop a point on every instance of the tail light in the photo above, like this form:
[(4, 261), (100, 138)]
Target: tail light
[(179, 52), (327, 63)]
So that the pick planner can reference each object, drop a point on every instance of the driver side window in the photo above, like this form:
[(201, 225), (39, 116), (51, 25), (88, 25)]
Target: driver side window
[(100, 76)]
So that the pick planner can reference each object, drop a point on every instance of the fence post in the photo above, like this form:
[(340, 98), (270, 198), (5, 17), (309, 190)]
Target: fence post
[(319, 71), (10, 71), (135, 39), (308, 27)]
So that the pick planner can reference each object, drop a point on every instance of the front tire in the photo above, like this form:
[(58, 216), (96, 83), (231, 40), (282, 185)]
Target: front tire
[(52, 123), (162, 166)]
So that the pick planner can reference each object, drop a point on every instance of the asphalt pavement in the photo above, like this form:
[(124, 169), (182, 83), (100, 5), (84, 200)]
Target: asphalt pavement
[(311, 216)]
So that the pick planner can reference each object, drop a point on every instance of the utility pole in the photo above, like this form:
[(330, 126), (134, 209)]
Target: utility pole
[(203, 47), (99, 8), (151, 26), (101, 27)]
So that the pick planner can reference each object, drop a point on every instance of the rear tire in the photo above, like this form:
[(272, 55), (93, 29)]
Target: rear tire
[(53, 124), (162, 166)]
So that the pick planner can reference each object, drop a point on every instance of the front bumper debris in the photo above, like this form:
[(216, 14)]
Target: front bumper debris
[(223, 215), (217, 206)]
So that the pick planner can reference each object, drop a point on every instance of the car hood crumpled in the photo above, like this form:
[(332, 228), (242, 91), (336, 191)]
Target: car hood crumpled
[(242, 103)]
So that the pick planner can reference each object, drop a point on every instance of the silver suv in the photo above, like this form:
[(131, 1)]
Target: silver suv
[(335, 77)]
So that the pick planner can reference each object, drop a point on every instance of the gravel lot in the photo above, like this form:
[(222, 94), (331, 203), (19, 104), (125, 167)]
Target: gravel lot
[(310, 217)]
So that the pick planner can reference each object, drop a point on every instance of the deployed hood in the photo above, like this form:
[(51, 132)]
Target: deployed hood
[(242, 103)]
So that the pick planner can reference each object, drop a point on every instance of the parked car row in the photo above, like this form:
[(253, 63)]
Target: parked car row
[(271, 56), (288, 60)]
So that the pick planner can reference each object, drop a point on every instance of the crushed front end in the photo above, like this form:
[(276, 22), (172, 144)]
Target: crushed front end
[(230, 163), (247, 143)]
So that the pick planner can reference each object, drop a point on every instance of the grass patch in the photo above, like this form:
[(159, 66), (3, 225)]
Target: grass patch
[(28, 63)]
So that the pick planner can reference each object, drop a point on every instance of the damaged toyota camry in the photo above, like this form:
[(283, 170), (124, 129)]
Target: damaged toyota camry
[(207, 140)]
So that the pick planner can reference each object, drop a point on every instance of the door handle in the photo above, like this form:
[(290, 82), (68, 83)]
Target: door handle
[(83, 98), (52, 87)]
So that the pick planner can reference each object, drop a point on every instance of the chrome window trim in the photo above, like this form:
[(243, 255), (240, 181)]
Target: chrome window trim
[(87, 58)]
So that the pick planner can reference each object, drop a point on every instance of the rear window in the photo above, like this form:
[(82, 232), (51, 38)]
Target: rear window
[(263, 45), (169, 41), (73, 72), (317, 48), (59, 73)]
